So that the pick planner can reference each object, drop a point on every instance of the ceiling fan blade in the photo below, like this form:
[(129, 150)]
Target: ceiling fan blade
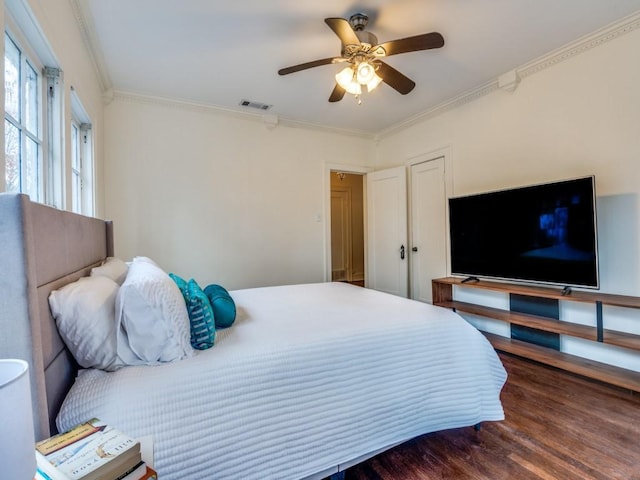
[(342, 28), (394, 78), (337, 94), (425, 41), (304, 66)]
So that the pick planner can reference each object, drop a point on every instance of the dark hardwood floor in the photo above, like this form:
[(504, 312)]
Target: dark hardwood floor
[(557, 426)]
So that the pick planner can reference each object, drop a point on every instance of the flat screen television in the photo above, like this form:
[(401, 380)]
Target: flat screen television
[(540, 233)]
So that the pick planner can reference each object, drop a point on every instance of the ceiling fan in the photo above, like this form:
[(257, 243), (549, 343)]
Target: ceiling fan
[(363, 53)]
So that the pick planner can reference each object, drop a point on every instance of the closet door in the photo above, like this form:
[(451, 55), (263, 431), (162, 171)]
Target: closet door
[(388, 250), (428, 227)]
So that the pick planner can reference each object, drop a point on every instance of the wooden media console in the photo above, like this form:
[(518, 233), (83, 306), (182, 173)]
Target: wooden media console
[(629, 379)]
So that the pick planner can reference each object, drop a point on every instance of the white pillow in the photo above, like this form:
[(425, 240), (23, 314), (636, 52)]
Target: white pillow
[(112, 268), (144, 259), (85, 316), (152, 312)]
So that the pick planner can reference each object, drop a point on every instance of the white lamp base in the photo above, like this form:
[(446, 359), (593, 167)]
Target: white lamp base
[(17, 443)]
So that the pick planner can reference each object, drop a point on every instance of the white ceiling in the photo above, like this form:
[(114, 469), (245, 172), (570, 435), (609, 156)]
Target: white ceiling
[(219, 52)]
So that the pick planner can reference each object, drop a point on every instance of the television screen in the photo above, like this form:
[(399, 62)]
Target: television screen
[(541, 233)]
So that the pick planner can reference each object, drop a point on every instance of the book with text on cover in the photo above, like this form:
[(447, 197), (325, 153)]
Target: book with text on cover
[(140, 472), (89, 451)]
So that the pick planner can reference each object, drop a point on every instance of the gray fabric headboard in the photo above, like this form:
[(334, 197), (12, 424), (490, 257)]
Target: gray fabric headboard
[(42, 249)]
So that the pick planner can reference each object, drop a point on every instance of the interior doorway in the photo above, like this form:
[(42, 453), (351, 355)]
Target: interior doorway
[(347, 227)]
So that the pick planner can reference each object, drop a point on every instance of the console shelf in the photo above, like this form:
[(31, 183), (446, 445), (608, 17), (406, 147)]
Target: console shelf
[(619, 377), (443, 296)]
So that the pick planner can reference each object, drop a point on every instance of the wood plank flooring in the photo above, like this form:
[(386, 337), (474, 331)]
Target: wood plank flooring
[(558, 426)]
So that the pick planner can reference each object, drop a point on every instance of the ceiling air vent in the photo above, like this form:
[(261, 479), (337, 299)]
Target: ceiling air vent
[(258, 105)]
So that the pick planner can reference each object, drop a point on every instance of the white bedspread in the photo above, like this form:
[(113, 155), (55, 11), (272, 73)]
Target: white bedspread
[(309, 377)]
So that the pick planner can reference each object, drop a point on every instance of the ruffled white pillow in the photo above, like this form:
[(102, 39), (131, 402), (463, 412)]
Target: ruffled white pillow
[(112, 268), (85, 316), (151, 317)]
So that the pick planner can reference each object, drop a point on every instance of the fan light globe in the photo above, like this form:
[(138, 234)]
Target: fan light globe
[(375, 81), (366, 72), (346, 78)]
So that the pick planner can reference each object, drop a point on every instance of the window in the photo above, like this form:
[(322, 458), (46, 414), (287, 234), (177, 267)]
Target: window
[(82, 200), (22, 123), (48, 154)]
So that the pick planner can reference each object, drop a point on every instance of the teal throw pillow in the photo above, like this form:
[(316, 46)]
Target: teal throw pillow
[(180, 282), (201, 316), (224, 308)]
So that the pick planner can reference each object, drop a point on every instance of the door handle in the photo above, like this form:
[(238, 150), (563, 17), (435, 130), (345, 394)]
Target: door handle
[(401, 252), (414, 249)]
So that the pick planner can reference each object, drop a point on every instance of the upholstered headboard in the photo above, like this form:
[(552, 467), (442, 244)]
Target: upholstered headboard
[(42, 249)]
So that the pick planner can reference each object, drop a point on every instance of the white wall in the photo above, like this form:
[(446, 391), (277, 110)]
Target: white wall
[(578, 117), (220, 198)]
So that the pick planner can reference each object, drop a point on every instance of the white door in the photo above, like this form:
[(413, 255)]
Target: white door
[(387, 253), (428, 227)]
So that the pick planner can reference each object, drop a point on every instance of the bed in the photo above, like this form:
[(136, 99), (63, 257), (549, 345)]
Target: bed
[(309, 380)]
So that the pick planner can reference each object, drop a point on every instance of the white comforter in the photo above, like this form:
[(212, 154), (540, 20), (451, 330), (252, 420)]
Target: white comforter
[(309, 377)]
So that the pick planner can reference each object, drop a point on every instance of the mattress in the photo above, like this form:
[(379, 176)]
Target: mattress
[(309, 377)]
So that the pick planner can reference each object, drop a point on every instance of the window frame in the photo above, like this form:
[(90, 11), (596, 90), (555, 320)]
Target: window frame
[(83, 173), (76, 168), (28, 60)]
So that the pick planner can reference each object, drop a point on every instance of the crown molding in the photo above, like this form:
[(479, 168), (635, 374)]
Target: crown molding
[(87, 30), (581, 45), (139, 98), (568, 51), (455, 102)]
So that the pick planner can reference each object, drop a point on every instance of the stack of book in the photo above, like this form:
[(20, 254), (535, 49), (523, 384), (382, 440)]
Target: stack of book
[(91, 451)]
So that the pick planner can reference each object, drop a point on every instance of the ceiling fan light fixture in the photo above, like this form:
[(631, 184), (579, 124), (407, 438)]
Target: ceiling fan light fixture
[(360, 48)]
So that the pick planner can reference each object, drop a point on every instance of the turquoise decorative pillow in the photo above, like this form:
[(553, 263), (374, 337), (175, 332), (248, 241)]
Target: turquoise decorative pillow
[(201, 316), (181, 283), (224, 308)]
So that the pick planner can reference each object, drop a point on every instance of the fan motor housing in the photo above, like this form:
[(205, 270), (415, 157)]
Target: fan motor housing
[(366, 37)]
